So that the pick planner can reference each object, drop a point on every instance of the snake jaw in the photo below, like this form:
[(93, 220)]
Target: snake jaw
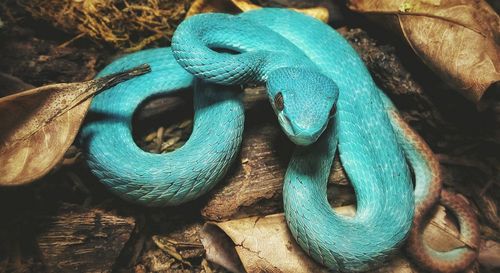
[(298, 135), (304, 139)]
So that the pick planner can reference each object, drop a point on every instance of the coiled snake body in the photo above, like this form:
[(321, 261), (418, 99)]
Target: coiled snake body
[(306, 65)]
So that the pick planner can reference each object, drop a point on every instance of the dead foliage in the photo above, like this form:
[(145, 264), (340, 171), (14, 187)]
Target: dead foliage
[(125, 24), (37, 126), (458, 39), (237, 6)]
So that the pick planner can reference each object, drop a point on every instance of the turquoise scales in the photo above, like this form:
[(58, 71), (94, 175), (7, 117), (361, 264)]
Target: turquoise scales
[(161, 179), (368, 146), (303, 74)]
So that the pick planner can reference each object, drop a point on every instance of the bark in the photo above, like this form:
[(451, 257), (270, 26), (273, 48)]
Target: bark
[(82, 240)]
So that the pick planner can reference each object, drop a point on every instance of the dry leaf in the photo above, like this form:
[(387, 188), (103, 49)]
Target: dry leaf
[(458, 39), (442, 234), (489, 254), (264, 244), (37, 126), (237, 6)]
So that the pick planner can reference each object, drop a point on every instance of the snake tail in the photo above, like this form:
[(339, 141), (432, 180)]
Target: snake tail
[(428, 192)]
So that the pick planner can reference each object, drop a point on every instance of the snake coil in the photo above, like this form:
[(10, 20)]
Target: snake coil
[(307, 68)]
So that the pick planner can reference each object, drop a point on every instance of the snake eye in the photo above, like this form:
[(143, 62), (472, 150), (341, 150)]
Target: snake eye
[(279, 103), (333, 110)]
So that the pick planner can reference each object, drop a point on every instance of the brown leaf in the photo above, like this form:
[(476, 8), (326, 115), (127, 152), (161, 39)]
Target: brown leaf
[(489, 254), (237, 6), (256, 244), (442, 234), (458, 39), (264, 244), (37, 126)]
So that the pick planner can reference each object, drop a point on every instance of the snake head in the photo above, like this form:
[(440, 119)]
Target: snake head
[(304, 101)]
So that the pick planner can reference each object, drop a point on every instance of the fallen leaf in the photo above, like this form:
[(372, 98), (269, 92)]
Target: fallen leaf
[(37, 126), (264, 244), (237, 6), (457, 39), (441, 234), (256, 244), (489, 254)]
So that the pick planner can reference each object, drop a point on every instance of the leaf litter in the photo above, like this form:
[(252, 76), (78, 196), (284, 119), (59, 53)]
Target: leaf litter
[(37, 126)]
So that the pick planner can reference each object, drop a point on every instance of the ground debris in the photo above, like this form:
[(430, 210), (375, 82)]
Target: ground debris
[(50, 119), (36, 60), (38, 54), (127, 25), (70, 238)]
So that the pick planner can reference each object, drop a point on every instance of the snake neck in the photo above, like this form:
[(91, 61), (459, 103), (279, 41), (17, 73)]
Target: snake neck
[(368, 150), (205, 46)]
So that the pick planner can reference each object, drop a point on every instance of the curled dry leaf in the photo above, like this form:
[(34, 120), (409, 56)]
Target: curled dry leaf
[(256, 244), (237, 6), (264, 244), (458, 39), (37, 126), (489, 254)]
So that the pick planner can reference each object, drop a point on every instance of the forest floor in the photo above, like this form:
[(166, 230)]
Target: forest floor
[(69, 221)]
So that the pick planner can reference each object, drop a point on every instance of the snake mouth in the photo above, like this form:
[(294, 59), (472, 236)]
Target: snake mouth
[(299, 136), (305, 137), (303, 140)]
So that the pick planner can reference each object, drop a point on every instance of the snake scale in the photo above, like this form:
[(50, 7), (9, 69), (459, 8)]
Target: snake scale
[(324, 98)]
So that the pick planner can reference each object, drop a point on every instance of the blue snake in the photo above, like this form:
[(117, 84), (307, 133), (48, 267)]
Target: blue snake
[(324, 98)]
